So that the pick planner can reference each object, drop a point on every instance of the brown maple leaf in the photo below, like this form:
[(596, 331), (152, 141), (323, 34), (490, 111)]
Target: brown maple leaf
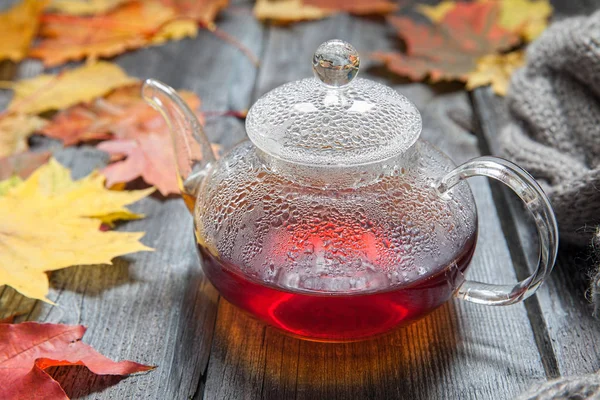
[(22, 164), (450, 48), (129, 26), (83, 122), (139, 133), (28, 349)]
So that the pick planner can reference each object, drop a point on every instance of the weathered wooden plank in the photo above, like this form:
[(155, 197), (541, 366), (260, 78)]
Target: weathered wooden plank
[(460, 351), (156, 308), (563, 301)]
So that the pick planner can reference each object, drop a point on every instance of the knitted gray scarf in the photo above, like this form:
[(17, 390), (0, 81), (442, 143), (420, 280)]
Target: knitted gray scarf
[(554, 133), (555, 130)]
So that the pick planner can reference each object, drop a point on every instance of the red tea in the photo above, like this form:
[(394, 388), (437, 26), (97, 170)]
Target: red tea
[(336, 315)]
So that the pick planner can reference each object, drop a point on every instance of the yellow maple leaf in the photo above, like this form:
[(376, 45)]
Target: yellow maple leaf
[(18, 26), (528, 18), (88, 7), (49, 222), (54, 92), (287, 11), (14, 130), (496, 69), (438, 12), (9, 183), (175, 30)]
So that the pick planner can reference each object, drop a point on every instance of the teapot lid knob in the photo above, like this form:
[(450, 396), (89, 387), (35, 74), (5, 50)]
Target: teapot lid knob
[(336, 63)]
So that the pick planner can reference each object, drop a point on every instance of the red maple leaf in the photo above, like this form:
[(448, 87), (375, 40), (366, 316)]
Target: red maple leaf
[(29, 348), (150, 157), (449, 49)]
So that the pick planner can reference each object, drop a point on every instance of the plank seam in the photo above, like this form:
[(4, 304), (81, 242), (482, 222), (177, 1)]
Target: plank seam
[(199, 392)]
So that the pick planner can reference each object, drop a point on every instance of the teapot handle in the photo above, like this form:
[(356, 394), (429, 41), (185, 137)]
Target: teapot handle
[(536, 201)]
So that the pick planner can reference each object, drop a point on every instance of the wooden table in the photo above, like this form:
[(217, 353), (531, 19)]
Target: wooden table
[(157, 308)]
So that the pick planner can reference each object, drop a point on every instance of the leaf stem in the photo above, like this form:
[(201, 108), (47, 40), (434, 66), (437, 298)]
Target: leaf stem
[(234, 42)]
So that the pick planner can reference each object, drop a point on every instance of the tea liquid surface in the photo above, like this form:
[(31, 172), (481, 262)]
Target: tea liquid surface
[(340, 315)]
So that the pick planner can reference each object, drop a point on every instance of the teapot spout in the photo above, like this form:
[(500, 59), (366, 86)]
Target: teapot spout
[(193, 153)]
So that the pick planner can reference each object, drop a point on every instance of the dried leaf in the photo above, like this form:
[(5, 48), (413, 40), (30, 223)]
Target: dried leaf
[(18, 27), (29, 348), (360, 7), (175, 30), (8, 184), (149, 157), (139, 131), (287, 11), (14, 131), (448, 50), (8, 320), (76, 124), (438, 12), (527, 18), (50, 222), (22, 164), (87, 7), (54, 92), (496, 69), (130, 26), (202, 11)]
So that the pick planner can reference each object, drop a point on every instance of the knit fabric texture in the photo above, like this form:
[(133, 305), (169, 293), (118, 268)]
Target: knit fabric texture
[(554, 133), (584, 387)]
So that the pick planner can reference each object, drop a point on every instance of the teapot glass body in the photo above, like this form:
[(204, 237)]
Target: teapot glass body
[(375, 249)]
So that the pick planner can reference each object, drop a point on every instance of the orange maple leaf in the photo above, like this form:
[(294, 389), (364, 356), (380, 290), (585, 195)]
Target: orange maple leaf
[(287, 11), (202, 11), (361, 7), (71, 38), (18, 27), (450, 48), (139, 133)]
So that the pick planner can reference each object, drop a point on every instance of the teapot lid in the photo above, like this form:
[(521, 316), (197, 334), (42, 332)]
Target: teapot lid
[(333, 119)]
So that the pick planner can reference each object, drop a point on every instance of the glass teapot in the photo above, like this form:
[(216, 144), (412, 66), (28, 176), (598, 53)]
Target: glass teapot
[(335, 222)]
